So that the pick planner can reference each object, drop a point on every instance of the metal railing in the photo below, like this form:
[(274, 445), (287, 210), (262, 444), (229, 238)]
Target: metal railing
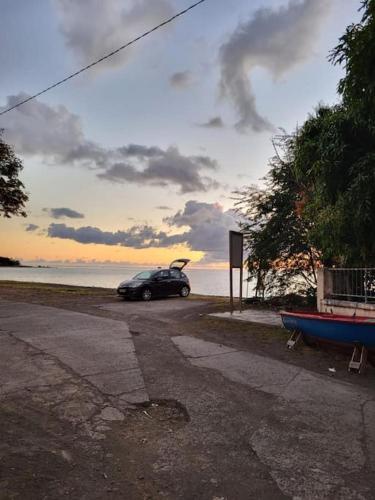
[(351, 284)]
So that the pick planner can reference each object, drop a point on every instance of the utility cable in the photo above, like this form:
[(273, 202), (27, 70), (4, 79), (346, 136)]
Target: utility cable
[(107, 56)]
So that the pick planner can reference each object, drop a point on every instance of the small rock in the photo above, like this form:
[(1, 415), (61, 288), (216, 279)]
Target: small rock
[(112, 414)]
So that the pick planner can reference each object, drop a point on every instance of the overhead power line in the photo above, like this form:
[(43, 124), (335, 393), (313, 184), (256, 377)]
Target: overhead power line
[(107, 56)]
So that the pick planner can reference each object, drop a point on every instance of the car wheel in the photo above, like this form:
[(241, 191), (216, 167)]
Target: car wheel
[(146, 294), (184, 292)]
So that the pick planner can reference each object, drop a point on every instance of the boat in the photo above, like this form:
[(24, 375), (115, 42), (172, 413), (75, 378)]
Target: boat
[(354, 330)]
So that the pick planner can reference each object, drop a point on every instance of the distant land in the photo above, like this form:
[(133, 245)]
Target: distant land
[(7, 262)]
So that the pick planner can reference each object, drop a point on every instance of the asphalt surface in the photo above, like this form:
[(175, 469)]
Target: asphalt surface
[(255, 427)]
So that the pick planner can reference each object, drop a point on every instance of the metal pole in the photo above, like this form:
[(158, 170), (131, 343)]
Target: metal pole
[(231, 288), (230, 274), (241, 278)]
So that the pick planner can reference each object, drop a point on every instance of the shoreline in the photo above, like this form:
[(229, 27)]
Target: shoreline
[(22, 266), (41, 284)]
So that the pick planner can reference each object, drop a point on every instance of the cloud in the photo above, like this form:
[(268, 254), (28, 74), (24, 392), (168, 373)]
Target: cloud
[(56, 134), (136, 237), (208, 227), (274, 39), (163, 207), (31, 228), (59, 213), (164, 168), (39, 129), (206, 230), (93, 28), (181, 80), (215, 122)]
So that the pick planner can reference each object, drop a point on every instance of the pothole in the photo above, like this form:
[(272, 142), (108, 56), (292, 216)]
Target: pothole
[(166, 411)]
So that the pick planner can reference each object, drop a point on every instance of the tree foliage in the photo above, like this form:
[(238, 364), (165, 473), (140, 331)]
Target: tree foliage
[(336, 154), (12, 193), (318, 206), (280, 256), (356, 53)]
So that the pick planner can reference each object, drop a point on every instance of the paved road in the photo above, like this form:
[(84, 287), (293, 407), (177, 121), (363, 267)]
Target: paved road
[(100, 350), (258, 427), (252, 316), (328, 427)]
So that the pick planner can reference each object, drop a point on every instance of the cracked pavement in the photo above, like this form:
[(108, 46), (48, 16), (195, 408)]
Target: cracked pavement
[(181, 416), (326, 448)]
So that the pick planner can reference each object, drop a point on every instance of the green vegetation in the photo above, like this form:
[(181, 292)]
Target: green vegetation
[(12, 194), (319, 203)]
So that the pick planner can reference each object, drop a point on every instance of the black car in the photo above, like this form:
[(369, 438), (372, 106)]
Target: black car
[(157, 283)]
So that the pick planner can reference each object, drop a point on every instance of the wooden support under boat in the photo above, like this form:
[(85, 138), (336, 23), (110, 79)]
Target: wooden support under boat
[(359, 359), (357, 331), (294, 339)]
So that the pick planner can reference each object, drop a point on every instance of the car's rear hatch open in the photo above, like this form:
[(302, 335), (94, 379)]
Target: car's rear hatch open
[(179, 264)]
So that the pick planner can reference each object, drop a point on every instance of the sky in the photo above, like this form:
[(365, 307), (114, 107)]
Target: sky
[(135, 161)]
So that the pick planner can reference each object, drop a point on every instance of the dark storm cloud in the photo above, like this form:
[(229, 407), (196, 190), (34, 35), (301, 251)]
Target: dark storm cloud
[(60, 213), (206, 230), (56, 135), (181, 80), (215, 122), (275, 39)]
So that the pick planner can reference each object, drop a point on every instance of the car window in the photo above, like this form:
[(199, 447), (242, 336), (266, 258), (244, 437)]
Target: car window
[(145, 275), (175, 274), (162, 274)]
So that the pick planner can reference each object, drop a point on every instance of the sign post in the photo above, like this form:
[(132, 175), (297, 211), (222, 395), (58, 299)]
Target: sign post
[(235, 262)]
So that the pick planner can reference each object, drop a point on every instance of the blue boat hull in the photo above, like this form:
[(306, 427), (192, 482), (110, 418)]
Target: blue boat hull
[(331, 329)]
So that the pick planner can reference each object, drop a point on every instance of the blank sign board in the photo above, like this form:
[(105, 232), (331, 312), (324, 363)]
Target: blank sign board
[(235, 249)]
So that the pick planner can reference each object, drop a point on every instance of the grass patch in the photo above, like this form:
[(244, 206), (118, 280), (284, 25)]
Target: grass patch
[(264, 333)]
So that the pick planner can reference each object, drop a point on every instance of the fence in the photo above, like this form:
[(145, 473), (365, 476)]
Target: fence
[(354, 285)]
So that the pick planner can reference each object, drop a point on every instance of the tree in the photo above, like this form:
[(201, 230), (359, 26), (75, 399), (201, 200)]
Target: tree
[(281, 256), (12, 194), (356, 52), (335, 164), (336, 154), (319, 204)]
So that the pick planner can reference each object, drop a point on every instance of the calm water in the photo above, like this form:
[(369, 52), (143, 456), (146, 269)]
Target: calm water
[(203, 281)]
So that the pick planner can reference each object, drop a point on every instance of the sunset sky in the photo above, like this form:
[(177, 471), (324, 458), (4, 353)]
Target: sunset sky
[(135, 160)]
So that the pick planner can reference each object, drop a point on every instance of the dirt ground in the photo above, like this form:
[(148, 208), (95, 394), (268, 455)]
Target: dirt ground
[(190, 440)]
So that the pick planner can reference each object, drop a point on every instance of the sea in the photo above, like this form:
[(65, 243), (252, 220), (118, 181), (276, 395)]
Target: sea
[(202, 281)]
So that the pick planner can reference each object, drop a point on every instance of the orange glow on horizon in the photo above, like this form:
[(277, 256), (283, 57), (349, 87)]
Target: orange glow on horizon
[(35, 247)]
